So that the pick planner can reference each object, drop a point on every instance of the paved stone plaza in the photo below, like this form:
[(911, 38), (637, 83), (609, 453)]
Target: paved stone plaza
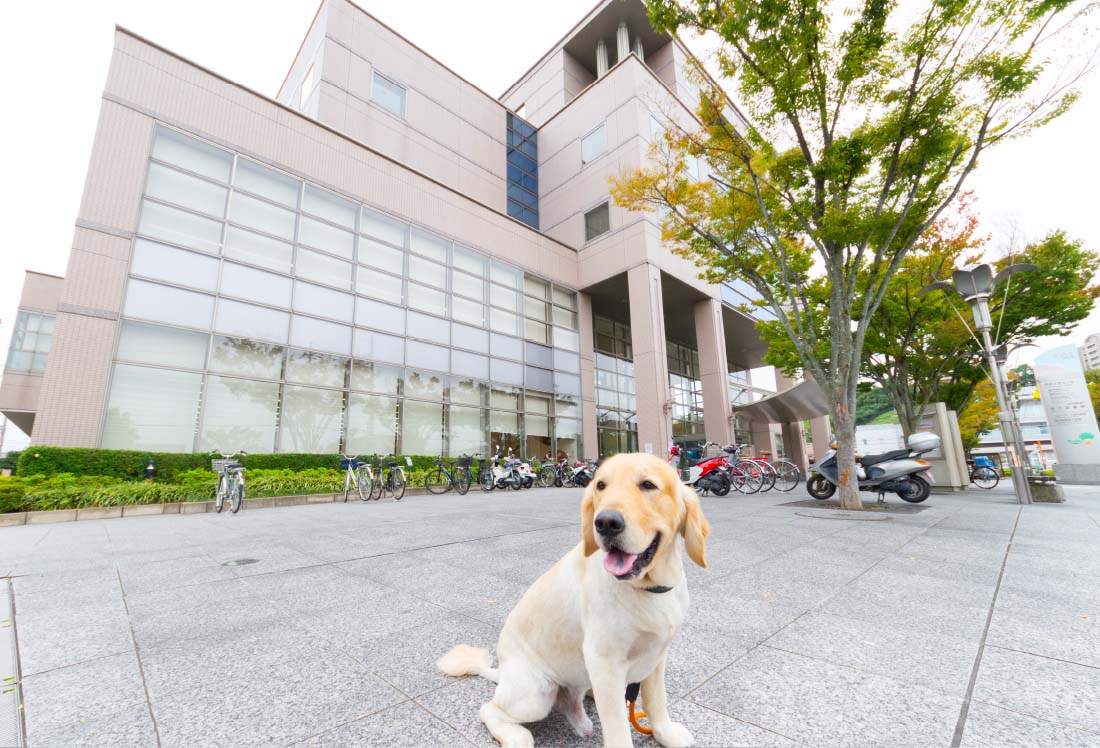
[(806, 630)]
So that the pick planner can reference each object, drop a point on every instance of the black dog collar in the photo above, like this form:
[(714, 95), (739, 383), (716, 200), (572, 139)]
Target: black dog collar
[(657, 590)]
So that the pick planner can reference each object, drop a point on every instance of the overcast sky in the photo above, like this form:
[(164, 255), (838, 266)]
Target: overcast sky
[(57, 53)]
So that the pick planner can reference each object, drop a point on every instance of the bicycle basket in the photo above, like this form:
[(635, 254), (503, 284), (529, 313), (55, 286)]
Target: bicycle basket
[(390, 464), (465, 461), (345, 463), (219, 465)]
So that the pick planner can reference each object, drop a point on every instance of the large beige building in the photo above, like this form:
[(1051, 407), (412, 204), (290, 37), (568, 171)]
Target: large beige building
[(385, 258)]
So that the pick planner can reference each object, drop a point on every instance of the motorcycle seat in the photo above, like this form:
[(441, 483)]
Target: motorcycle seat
[(897, 454)]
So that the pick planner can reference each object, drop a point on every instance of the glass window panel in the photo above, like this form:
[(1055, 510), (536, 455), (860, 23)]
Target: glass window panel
[(507, 347), (469, 260), (467, 391), (427, 385), (568, 437), (191, 154), (174, 265), (331, 207), (153, 344), (378, 347), (564, 297), (567, 408), (428, 271), (267, 182), (421, 428), (593, 144), (379, 316), (535, 309), (246, 320), (314, 333), (391, 96), (381, 226), (468, 311), (570, 362), (256, 285), (312, 420), (180, 227), (468, 337), (381, 256), (470, 364), (540, 379), (505, 274), (372, 424), (539, 355), (567, 383), (503, 297), (152, 409), (536, 404), (322, 268), (506, 371), (429, 328), (429, 245), (249, 358), (565, 318), (536, 331), (468, 285), (427, 355), (173, 186), (375, 377), (258, 250), (380, 286), (597, 222), (567, 339), (427, 299), (532, 286), (323, 302), (467, 432), (239, 414), (316, 368), (175, 306), (536, 426), (329, 238), (258, 214)]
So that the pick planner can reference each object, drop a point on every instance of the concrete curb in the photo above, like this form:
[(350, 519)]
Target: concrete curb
[(15, 519)]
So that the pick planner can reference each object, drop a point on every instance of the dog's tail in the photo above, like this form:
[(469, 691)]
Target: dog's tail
[(467, 660)]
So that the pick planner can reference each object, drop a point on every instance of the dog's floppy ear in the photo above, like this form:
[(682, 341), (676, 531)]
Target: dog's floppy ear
[(588, 518), (694, 527)]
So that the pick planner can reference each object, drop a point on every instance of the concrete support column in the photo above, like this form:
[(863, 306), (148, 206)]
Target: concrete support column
[(588, 377), (622, 42), (763, 439), (821, 434), (647, 332), (601, 58), (638, 48), (710, 336), (794, 440)]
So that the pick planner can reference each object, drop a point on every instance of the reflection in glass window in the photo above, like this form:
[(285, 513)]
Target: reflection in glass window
[(375, 377), (249, 358), (568, 433), (391, 96), (593, 145), (185, 190), (194, 155), (424, 384), (597, 222), (537, 442), (504, 431), (30, 341), (421, 428), (179, 227), (467, 390), (248, 320), (312, 419), (255, 249), (154, 408), (154, 344), (467, 432), (372, 424), (239, 414), (308, 367)]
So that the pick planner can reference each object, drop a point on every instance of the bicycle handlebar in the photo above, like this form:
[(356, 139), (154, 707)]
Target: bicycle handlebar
[(224, 456)]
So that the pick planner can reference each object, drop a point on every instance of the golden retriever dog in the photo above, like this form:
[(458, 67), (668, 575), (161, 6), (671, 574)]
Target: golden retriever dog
[(603, 616)]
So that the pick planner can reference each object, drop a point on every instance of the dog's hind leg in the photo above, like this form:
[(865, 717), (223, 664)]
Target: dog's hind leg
[(571, 703), (521, 696)]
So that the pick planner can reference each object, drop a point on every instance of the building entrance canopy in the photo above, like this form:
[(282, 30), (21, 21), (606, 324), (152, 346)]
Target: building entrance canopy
[(803, 402)]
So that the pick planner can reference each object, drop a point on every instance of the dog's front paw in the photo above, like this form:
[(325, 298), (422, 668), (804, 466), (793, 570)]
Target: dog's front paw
[(673, 735)]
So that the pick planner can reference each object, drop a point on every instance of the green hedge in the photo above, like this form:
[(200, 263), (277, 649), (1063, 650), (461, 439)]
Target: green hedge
[(130, 464), (10, 461)]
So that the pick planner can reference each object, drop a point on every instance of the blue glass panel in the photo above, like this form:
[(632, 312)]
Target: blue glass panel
[(523, 162), (529, 148), (521, 195)]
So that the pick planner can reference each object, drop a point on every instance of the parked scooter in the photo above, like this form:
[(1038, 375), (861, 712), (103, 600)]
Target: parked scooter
[(527, 475), (506, 471), (582, 472), (705, 475), (897, 472)]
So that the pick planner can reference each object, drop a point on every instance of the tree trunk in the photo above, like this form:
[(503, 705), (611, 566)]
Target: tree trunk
[(844, 428)]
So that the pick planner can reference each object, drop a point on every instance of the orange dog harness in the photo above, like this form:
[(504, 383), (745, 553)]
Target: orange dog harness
[(631, 698)]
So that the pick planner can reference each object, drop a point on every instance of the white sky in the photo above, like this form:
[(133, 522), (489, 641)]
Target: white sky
[(57, 56)]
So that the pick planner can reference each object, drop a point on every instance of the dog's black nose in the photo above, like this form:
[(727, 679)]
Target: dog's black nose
[(610, 522)]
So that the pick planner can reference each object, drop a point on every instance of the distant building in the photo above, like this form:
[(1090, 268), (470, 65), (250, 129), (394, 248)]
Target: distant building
[(1036, 433), (1090, 352)]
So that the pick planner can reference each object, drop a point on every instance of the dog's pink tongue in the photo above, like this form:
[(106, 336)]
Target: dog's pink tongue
[(617, 562)]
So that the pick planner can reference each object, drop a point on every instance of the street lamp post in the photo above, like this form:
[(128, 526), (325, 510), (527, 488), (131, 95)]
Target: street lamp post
[(975, 287)]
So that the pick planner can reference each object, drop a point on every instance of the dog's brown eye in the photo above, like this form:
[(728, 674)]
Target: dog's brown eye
[(600, 485), (647, 485)]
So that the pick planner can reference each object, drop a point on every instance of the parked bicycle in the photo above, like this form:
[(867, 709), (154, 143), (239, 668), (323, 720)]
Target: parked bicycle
[(392, 477), (779, 474), (983, 475), (445, 476), (358, 477), (548, 473), (230, 480)]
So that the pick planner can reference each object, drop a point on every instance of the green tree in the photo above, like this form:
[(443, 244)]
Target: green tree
[(865, 123), (871, 402), (1025, 374), (1092, 379)]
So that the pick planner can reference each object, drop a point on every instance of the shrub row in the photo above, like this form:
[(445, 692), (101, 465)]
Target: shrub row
[(130, 464)]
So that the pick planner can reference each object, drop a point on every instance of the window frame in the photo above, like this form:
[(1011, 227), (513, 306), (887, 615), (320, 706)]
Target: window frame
[(375, 75)]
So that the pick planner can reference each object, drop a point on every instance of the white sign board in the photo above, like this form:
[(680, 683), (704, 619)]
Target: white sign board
[(1065, 396)]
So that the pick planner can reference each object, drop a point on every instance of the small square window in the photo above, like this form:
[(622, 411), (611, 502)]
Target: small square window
[(593, 145), (597, 222), (388, 94)]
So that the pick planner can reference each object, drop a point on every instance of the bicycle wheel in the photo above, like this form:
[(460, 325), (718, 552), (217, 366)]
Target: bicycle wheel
[(363, 478), (220, 493), (397, 484), (462, 480), (437, 481), (485, 478), (754, 476), (347, 484), (985, 477), (787, 476), (767, 472), (547, 476), (236, 495)]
